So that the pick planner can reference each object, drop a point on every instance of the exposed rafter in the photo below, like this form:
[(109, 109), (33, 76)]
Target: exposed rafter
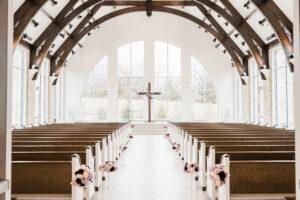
[(68, 48), (23, 16), (235, 50), (40, 48), (279, 22), (254, 42)]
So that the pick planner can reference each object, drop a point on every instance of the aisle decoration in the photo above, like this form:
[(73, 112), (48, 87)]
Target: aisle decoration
[(123, 147), (176, 147), (191, 168), (168, 136), (108, 166), (218, 174), (83, 176)]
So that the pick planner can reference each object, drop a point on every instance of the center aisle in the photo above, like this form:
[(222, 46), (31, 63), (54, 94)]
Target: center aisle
[(150, 170)]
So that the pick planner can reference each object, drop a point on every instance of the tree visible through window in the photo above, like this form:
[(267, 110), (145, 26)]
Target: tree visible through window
[(93, 103), (131, 81), (167, 81), (204, 107)]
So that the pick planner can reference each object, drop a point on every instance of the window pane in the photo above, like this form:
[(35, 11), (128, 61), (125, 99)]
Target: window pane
[(161, 59), (204, 105), (94, 94), (137, 56)]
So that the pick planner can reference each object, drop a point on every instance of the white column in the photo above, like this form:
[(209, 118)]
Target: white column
[(297, 91), (186, 91), (6, 44), (112, 85)]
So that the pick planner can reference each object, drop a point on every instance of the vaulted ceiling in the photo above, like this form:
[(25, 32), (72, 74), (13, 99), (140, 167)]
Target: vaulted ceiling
[(240, 28)]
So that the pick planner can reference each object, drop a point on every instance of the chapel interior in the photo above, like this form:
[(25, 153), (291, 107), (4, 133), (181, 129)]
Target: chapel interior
[(149, 99)]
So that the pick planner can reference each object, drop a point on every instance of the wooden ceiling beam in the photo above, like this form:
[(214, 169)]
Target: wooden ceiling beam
[(219, 28), (254, 42), (23, 16), (72, 39), (279, 22), (68, 47)]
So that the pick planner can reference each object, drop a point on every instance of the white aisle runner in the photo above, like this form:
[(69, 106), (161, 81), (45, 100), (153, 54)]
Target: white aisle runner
[(150, 170)]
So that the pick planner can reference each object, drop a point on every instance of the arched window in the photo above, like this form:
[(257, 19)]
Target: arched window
[(283, 105), (41, 93), (167, 81), (255, 91), (204, 105), (19, 87), (93, 102), (131, 81), (239, 97), (59, 97)]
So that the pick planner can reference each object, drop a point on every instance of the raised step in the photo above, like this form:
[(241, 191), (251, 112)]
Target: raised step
[(149, 128)]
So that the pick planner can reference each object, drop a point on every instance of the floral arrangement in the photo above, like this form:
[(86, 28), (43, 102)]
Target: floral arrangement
[(176, 146), (218, 174), (123, 147), (108, 166), (191, 168), (168, 136), (83, 176)]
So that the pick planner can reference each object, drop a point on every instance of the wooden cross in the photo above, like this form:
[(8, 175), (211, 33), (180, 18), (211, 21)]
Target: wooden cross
[(149, 94)]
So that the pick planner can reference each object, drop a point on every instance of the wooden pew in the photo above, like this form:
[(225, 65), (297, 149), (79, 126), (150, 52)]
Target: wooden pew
[(252, 146), (43, 147)]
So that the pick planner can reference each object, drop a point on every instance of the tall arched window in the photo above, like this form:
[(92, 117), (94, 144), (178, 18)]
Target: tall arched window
[(204, 105), (19, 87), (93, 102), (255, 91), (41, 93), (131, 81), (283, 90), (239, 97), (167, 81)]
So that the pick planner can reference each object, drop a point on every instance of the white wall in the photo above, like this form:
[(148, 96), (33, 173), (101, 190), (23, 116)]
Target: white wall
[(161, 26)]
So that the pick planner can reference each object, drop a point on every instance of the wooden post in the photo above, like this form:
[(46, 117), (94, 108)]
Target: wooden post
[(6, 44)]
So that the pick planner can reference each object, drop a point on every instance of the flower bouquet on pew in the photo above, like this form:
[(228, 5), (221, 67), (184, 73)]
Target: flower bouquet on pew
[(83, 176), (107, 168), (168, 136), (176, 147), (191, 168), (122, 147), (218, 175)]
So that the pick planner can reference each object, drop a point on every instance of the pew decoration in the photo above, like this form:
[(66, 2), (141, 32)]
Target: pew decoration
[(108, 166), (83, 176), (191, 168), (176, 147), (123, 148), (168, 136), (218, 175)]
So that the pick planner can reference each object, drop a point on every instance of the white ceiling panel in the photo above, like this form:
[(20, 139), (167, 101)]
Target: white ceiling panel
[(34, 32), (53, 10), (239, 5), (17, 4), (264, 30)]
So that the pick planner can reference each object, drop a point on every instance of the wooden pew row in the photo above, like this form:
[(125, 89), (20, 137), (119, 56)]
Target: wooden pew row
[(241, 158), (56, 155)]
